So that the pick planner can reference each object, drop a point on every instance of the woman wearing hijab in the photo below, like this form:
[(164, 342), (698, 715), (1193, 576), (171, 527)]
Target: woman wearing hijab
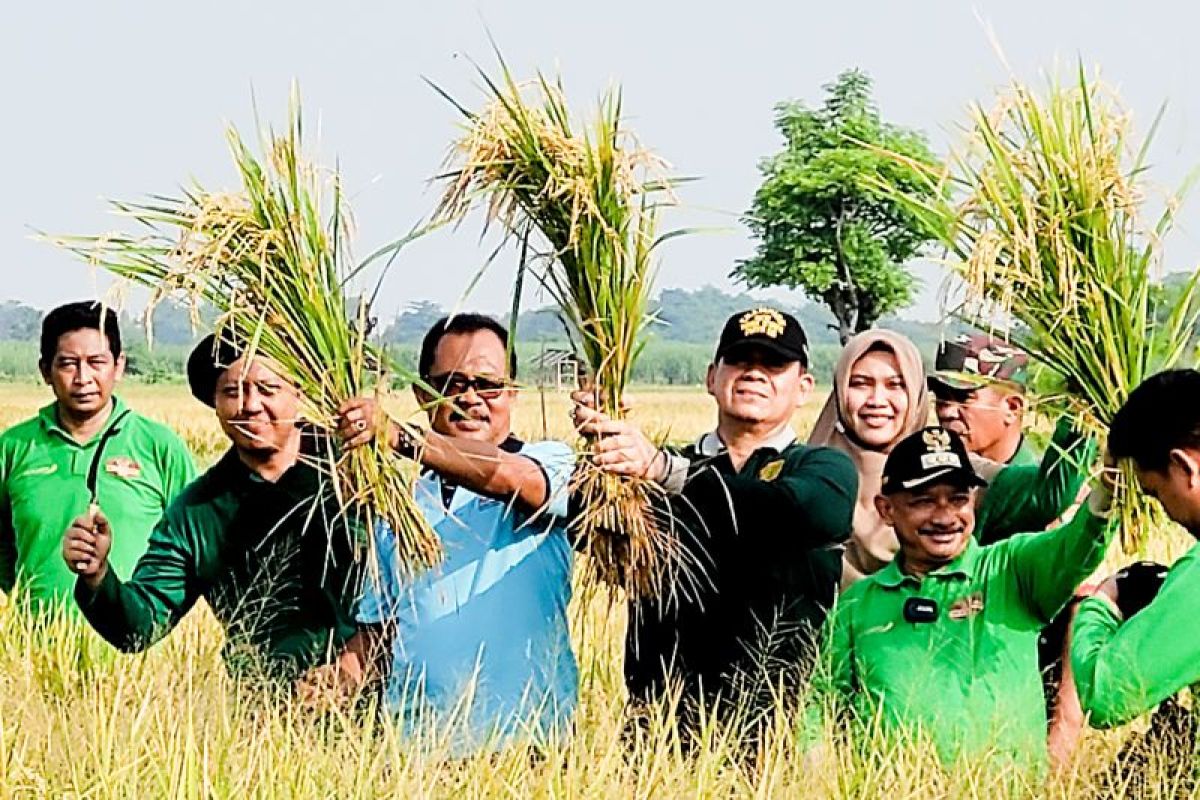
[(879, 397)]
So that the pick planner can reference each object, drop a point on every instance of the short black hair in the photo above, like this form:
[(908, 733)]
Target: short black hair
[(462, 323), (78, 316), (1160, 415)]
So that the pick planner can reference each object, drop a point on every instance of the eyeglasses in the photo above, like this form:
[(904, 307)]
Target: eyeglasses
[(453, 384)]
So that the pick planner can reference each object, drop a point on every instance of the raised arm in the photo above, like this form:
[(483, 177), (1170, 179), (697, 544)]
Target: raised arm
[(1049, 566), (1125, 668), (1028, 498), (134, 614), (481, 467)]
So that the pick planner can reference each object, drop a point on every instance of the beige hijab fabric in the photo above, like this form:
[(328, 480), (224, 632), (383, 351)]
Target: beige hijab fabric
[(872, 543)]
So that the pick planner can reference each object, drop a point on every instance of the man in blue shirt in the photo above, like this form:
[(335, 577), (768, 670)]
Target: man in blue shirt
[(477, 646)]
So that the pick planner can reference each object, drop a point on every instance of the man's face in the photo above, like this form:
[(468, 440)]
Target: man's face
[(876, 399), (471, 370), (83, 372), (1177, 488), (981, 417), (933, 523), (257, 409), (754, 385)]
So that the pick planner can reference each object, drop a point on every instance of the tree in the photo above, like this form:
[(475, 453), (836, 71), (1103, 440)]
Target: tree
[(821, 227), (411, 324)]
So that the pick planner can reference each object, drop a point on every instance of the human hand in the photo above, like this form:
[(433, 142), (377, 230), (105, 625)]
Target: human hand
[(86, 545), (360, 420)]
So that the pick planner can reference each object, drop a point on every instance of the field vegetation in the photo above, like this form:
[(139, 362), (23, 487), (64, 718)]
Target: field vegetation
[(79, 720)]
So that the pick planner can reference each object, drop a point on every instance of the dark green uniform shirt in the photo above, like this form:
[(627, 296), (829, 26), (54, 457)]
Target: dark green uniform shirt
[(969, 679), (43, 488), (274, 561), (1124, 669), (766, 567), (1025, 497)]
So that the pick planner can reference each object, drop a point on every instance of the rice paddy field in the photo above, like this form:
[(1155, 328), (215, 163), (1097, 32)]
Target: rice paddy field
[(78, 720)]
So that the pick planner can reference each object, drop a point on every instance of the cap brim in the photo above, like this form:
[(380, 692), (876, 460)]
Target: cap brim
[(955, 382), (955, 475), (764, 343)]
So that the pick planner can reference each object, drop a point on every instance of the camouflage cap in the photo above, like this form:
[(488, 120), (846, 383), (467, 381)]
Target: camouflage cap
[(975, 360)]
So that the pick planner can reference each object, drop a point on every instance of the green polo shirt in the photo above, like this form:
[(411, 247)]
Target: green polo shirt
[(968, 680), (275, 561), (43, 488), (1026, 455), (1125, 668)]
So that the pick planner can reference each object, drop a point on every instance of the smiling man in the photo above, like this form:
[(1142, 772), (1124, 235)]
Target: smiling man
[(85, 447), (943, 641), (259, 537), (760, 513), (478, 646)]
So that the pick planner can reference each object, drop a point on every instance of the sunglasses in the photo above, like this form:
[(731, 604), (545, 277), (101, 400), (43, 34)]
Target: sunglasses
[(453, 384)]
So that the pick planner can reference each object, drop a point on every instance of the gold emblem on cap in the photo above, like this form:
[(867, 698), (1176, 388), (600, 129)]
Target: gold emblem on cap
[(937, 440), (762, 321)]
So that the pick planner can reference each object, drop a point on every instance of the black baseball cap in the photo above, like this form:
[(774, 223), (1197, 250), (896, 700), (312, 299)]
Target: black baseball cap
[(931, 454), (766, 327), (206, 363)]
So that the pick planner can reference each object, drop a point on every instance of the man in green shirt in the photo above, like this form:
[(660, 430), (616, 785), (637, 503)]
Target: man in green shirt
[(1127, 663), (85, 447), (978, 385), (259, 537), (942, 642)]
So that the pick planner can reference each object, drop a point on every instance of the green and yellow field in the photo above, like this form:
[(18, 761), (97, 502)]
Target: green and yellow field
[(78, 720)]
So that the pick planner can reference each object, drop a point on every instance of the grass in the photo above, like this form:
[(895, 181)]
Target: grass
[(586, 197), (1041, 211), (273, 258), (79, 720)]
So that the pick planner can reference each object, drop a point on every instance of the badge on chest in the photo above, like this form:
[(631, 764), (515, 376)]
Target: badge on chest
[(966, 607)]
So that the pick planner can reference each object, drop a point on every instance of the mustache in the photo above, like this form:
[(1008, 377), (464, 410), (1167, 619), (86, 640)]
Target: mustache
[(930, 531)]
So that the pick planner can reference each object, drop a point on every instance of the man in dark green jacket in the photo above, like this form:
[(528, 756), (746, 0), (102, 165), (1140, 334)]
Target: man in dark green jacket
[(761, 514), (1127, 663), (259, 537)]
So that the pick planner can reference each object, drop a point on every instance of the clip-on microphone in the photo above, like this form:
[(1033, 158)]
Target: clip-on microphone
[(920, 609)]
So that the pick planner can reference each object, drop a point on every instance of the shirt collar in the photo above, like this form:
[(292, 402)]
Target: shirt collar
[(964, 566), (710, 444), (48, 415)]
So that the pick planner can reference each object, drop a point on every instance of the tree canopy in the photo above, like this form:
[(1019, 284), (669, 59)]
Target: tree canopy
[(821, 228)]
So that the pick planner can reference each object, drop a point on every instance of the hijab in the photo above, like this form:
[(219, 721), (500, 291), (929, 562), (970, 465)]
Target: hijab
[(872, 543)]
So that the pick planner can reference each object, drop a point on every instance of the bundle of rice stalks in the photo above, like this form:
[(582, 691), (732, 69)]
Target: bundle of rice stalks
[(1040, 215), (273, 260), (593, 195)]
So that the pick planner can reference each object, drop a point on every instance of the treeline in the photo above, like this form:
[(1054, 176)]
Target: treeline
[(682, 337)]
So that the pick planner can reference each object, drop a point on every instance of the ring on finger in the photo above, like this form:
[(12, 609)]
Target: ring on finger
[(360, 425)]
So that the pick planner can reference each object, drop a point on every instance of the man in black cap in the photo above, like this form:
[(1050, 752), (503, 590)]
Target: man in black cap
[(943, 641), (259, 536), (760, 514)]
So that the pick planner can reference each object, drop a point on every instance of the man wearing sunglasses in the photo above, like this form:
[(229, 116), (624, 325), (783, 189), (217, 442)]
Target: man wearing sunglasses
[(760, 513), (479, 643)]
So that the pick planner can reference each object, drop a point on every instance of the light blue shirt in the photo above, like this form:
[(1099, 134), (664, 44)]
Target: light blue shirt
[(481, 641)]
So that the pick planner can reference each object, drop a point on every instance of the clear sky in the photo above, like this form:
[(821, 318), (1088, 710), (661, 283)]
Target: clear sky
[(107, 99)]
